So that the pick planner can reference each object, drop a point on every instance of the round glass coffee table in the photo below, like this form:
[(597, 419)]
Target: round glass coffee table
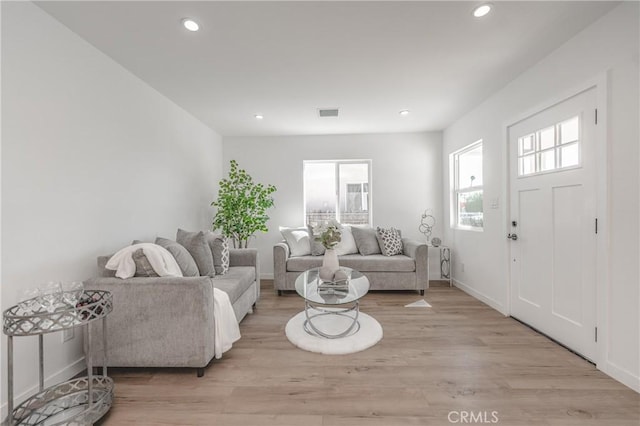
[(324, 299)]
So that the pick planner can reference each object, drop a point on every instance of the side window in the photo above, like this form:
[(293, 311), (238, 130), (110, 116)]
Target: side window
[(467, 187)]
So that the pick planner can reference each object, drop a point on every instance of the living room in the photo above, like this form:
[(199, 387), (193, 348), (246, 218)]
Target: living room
[(95, 156)]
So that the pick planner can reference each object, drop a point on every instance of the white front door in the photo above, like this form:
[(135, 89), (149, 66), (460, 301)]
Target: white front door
[(553, 208)]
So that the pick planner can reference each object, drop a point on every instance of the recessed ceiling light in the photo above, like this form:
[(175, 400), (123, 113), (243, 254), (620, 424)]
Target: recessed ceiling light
[(482, 10), (404, 112), (190, 24), (259, 116)]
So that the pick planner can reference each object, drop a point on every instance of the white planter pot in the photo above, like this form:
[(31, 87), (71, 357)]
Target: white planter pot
[(329, 265)]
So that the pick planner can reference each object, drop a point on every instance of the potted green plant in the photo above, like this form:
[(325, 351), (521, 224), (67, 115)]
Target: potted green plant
[(241, 206)]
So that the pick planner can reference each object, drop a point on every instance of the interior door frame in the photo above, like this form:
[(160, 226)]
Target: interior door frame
[(600, 84)]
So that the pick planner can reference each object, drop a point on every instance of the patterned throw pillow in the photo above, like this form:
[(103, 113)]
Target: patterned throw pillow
[(390, 241), (143, 267), (224, 257), (220, 249)]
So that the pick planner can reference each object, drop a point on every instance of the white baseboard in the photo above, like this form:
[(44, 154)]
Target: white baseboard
[(481, 297), (59, 376), (620, 374)]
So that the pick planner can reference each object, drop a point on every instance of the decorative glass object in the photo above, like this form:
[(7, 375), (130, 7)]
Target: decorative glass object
[(72, 292), (30, 302), (50, 296)]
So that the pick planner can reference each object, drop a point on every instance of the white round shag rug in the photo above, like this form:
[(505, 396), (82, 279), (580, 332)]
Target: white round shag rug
[(369, 334)]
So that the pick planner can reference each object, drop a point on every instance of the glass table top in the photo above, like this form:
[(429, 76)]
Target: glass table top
[(307, 286)]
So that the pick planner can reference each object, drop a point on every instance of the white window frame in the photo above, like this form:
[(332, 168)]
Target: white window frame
[(337, 164), (456, 190)]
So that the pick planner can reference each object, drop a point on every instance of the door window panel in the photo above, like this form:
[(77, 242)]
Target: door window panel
[(551, 148)]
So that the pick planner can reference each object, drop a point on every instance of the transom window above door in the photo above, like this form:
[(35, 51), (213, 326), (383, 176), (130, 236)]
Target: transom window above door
[(551, 148), (339, 189)]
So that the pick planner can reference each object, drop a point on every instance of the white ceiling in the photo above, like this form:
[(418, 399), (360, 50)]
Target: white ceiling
[(286, 59)]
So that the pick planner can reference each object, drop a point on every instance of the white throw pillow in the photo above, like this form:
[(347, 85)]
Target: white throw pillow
[(347, 244), (297, 239)]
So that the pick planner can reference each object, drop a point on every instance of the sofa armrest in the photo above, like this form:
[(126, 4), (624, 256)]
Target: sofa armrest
[(418, 251), (280, 256), (156, 322), (247, 257)]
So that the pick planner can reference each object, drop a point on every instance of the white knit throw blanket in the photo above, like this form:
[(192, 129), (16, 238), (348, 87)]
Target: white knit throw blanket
[(159, 258), (226, 330)]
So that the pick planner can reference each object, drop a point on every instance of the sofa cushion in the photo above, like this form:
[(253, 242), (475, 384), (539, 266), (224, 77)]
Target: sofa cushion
[(102, 262), (366, 240), (317, 249), (219, 245), (347, 244), (390, 241), (185, 261), (197, 245), (372, 263), (143, 267), (297, 239), (236, 281)]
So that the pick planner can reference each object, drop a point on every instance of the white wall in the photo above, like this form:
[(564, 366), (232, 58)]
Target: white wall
[(608, 46), (92, 158), (406, 177)]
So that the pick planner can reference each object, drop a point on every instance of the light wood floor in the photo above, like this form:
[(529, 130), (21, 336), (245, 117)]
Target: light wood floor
[(458, 356)]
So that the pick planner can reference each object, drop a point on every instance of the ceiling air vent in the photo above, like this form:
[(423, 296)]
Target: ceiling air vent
[(328, 112)]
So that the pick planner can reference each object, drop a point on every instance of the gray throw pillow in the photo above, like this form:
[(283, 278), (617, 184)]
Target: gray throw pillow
[(183, 258), (390, 241), (143, 267), (219, 245), (197, 245), (317, 249), (366, 240)]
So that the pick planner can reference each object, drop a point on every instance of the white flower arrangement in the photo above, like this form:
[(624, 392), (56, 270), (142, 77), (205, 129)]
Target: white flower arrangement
[(328, 234)]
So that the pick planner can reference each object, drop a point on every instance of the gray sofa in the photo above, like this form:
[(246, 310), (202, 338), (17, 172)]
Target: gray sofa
[(168, 321), (408, 271)]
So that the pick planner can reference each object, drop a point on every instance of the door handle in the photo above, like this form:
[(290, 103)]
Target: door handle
[(512, 237)]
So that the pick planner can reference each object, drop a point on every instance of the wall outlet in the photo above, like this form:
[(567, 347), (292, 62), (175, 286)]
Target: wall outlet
[(462, 267), (67, 335)]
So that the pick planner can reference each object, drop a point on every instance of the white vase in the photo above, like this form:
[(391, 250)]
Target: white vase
[(329, 265)]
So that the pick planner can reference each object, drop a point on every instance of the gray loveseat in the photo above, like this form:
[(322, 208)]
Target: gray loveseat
[(168, 321), (408, 271)]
